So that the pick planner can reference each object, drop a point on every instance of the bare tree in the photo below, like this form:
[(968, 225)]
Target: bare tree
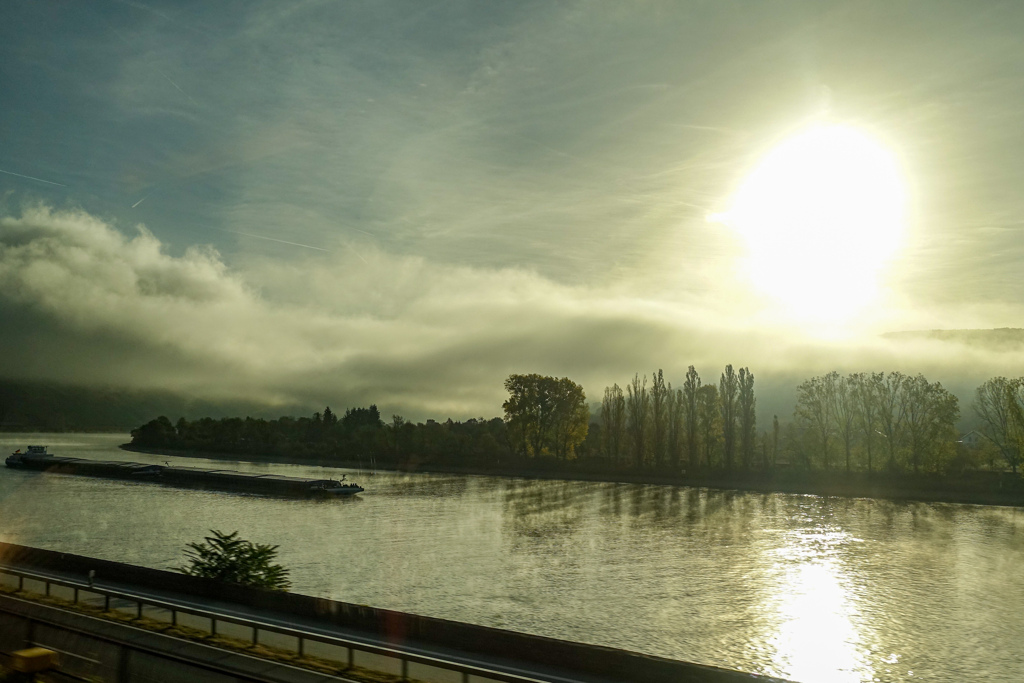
[(812, 411), (1013, 402), (728, 387), (892, 412), (691, 428), (775, 439), (747, 416), (930, 413), (867, 389), (613, 421), (659, 417), (993, 403), (709, 420), (637, 409), (844, 412), (675, 426)]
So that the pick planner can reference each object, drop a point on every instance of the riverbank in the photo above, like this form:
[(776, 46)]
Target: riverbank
[(976, 488)]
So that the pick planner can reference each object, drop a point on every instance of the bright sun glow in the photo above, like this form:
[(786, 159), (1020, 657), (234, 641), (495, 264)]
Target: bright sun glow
[(822, 214)]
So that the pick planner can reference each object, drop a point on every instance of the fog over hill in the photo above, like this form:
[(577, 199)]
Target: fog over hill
[(1003, 338), (293, 204), (45, 406)]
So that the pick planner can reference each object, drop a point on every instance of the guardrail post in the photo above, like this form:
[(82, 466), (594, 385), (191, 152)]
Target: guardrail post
[(174, 617), (351, 657), (21, 584), (405, 669), (76, 595), (465, 677), (47, 588), (213, 626), (106, 603), (255, 636), (302, 646)]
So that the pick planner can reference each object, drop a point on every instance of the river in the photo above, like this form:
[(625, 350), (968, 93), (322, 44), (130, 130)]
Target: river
[(804, 587)]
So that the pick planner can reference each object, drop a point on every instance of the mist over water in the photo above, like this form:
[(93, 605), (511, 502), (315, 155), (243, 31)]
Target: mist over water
[(803, 587)]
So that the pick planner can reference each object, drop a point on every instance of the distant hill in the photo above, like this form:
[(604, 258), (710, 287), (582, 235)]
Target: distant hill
[(37, 406), (1002, 339)]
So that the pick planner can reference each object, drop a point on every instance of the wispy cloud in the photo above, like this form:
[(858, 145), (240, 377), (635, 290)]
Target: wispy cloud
[(29, 177), (507, 184), (274, 239), (425, 340)]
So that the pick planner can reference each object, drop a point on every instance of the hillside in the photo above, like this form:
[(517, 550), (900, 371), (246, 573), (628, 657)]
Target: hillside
[(37, 406), (1001, 339)]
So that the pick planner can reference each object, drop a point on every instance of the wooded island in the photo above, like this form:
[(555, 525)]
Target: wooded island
[(885, 434)]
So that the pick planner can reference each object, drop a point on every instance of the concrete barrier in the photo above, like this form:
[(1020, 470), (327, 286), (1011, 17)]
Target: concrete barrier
[(96, 649), (394, 628)]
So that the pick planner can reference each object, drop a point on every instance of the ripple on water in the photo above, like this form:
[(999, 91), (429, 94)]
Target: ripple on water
[(805, 587)]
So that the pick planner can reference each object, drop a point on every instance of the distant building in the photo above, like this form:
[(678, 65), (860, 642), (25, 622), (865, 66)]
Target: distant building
[(972, 439)]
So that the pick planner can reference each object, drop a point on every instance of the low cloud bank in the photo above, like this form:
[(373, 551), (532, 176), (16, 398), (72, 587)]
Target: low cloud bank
[(85, 304)]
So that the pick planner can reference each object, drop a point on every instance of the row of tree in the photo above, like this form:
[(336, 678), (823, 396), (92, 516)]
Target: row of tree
[(858, 422), (360, 435), (905, 421), (695, 427)]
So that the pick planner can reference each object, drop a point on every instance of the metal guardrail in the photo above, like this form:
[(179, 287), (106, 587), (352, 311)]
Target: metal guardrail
[(351, 646)]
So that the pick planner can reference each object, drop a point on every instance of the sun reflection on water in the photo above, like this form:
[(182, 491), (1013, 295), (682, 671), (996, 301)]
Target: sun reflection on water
[(818, 638)]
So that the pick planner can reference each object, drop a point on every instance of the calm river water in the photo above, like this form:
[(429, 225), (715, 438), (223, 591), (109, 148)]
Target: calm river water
[(803, 587)]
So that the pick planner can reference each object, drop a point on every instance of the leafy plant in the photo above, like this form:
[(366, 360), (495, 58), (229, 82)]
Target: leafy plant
[(226, 557)]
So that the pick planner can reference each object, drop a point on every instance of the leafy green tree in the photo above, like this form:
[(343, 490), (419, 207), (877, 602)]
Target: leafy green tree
[(571, 420), (228, 558), (398, 424), (545, 415), (362, 418), (330, 419), (158, 432)]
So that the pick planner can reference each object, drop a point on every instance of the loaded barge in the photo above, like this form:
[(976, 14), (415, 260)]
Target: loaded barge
[(37, 458)]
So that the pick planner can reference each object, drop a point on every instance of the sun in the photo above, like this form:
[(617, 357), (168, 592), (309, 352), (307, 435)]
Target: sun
[(822, 214)]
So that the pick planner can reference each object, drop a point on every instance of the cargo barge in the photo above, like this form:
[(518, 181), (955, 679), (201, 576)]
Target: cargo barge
[(37, 458)]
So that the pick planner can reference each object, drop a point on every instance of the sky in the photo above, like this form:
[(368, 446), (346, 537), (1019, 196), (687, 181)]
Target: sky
[(404, 202)]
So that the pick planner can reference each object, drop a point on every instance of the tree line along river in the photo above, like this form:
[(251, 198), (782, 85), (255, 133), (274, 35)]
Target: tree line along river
[(798, 586)]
